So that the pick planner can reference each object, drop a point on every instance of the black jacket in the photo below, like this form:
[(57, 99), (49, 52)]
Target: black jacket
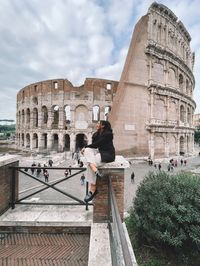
[(104, 142)]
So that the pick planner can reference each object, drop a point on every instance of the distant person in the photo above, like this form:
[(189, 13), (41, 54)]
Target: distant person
[(50, 163), (44, 169), (80, 164), (66, 172), (132, 177), (46, 176), (33, 168), (185, 162), (159, 166), (38, 171), (181, 162), (82, 179), (70, 170)]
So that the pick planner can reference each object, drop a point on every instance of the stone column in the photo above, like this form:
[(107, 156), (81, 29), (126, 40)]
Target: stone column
[(61, 142), (61, 118), (72, 142), (49, 141)]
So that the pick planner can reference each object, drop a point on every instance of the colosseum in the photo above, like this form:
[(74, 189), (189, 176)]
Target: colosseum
[(151, 108)]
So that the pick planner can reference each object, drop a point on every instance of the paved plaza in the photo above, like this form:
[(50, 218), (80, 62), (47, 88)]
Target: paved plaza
[(73, 186)]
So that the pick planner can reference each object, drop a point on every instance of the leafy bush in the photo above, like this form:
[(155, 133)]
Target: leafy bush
[(167, 210)]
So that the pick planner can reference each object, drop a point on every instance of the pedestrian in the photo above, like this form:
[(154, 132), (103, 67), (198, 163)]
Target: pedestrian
[(132, 177), (155, 165), (66, 172), (38, 171), (185, 162), (159, 166), (44, 169), (33, 168), (50, 162), (176, 163), (82, 179), (70, 170), (96, 154), (80, 164), (169, 167), (181, 162), (46, 176)]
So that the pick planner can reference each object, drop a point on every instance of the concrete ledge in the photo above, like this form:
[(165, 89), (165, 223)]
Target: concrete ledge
[(99, 252), (8, 159)]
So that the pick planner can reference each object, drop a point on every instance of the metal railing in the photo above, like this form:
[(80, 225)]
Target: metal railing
[(46, 185), (119, 247)]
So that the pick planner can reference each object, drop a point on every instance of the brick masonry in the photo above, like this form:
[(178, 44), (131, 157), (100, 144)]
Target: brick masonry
[(101, 201)]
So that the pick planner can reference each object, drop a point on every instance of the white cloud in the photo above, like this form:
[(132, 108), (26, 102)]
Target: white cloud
[(74, 39)]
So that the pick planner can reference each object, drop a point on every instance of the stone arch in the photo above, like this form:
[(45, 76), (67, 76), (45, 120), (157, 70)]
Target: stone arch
[(158, 72), (180, 82), (44, 138), (107, 110), (35, 141), (35, 117), (172, 114), (67, 115), (181, 145), (28, 140), (172, 77), (81, 117), (95, 113), (172, 145), (182, 113), (44, 115), (22, 140), (28, 116), (159, 145), (19, 118), (55, 142), (66, 142), (55, 116), (23, 117), (81, 141), (160, 109)]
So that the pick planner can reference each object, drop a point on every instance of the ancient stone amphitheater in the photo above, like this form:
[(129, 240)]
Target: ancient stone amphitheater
[(152, 105)]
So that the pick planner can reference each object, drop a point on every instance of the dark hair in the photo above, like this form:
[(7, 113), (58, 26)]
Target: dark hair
[(106, 124)]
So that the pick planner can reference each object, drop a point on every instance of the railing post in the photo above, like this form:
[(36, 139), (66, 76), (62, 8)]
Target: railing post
[(86, 204), (13, 184)]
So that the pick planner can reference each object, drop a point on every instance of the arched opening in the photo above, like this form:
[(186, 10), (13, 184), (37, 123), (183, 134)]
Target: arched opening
[(44, 141), (35, 117), (35, 141), (106, 112), (19, 118), (27, 140), (67, 116), (22, 139), (182, 114), (181, 82), (95, 113), (55, 142), (67, 142), (81, 141), (81, 117), (28, 116), (55, 117), (23, 117), (181, 145), (44, 115)]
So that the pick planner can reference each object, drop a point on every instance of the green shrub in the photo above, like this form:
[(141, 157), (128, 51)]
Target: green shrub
[(167, 211)]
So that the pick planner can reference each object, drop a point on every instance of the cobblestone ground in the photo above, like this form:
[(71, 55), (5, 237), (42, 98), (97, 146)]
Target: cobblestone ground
[(73, 186)]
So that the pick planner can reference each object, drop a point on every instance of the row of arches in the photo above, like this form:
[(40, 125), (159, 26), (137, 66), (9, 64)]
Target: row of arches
[(63, 116), (171, 77), (54, 142), (174, 145)]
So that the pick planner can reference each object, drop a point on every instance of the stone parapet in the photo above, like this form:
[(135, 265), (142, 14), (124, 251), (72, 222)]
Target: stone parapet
[(6, 174)]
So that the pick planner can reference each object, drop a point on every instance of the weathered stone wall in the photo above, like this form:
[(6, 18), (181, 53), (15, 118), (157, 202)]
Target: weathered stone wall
[(43, 108), (153, 108), (6, 181)]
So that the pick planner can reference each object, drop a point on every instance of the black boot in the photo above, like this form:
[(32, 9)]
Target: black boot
[(90, 196)]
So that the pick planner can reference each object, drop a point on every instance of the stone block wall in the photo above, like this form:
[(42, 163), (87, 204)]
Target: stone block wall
[(6, 181)]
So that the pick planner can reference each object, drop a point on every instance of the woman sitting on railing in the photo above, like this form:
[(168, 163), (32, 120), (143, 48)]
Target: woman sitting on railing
[(101, 151)]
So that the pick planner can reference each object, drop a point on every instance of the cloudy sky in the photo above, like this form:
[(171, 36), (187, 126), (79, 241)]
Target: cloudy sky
[(75, 39)]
